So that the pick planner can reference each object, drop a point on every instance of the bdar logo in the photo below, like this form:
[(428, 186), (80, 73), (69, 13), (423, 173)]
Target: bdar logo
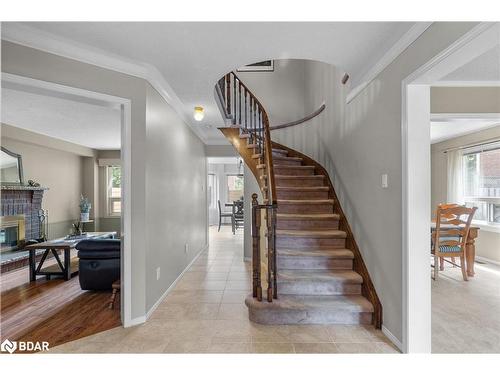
[(8, 346)]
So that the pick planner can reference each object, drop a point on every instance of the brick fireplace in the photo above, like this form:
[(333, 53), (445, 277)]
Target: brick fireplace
[(20, 204)]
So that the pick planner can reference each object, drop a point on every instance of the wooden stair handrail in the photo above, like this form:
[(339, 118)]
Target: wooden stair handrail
[(298, 122)]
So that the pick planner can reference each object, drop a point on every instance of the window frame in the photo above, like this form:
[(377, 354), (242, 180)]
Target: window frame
[(109, 199), (490, 201)]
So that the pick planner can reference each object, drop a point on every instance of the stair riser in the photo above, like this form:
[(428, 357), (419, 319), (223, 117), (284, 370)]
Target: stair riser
[(300, 317), (318, 288), (326, 208), (279, 154), (278, 162), (297, 182), (307, 224), (293, 171), (286, 242), (302, 194), (313, 263)]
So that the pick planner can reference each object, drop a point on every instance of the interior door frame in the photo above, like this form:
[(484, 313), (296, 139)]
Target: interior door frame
[(416, 171), (126, 142)]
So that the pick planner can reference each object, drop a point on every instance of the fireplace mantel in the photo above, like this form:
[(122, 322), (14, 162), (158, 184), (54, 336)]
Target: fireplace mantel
[(22, 187)]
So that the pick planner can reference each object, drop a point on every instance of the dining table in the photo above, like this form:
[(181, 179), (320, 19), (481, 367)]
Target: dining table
[(470, 246)]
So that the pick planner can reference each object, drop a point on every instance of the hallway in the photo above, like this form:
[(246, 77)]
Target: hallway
[(205, 313)]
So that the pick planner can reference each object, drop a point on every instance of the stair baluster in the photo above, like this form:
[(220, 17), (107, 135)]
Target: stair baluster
[(254, 124)]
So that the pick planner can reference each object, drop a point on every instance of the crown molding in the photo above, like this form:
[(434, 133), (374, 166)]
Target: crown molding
[(406, 40), (54, 44), (466, 84), (446, 117)]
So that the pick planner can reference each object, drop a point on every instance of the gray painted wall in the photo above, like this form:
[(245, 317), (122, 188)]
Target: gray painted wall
[(32, 63), (465, 99), (357, 143), (176, 198), (280, 91)]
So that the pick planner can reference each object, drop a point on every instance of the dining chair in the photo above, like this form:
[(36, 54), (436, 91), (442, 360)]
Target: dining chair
[(449, 216), (238, 215), (449, 240), (223, 214)]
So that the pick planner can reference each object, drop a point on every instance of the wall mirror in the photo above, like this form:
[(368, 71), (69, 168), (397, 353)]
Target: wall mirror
[(11, 168)]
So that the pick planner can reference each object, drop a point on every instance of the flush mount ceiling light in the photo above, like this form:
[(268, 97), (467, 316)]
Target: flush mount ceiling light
[(199, 113)]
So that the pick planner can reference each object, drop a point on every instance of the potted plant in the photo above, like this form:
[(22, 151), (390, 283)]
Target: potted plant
[(85, 207)]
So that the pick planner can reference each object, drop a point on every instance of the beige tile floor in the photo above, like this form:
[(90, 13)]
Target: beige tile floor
[(205, 313), (466, 314)]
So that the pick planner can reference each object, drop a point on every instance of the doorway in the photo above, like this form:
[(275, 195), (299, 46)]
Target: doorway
[(416, 166), (101, 170)]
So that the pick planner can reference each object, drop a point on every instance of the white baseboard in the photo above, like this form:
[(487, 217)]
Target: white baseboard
[(144, 318), (488, 260), (136, 321), (393, 338)]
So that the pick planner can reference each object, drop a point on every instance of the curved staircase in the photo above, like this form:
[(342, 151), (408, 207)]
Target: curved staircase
[(320, 274)]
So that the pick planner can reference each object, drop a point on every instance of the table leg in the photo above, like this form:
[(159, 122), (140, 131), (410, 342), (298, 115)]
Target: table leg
[(67, 264), (470, 254), (32, 264)]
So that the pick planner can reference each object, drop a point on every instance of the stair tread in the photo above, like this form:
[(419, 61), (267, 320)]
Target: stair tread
[(345, 276), (256, 156), (351, 303), (334, 253), (308, 216), (286, 176), (305, 201), (312, 233), (303, 188)]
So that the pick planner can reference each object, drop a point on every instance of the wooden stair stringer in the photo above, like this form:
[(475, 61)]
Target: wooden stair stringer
[(359, 266)]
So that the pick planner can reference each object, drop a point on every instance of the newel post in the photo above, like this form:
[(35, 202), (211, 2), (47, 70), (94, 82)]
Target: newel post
[(257, 288)]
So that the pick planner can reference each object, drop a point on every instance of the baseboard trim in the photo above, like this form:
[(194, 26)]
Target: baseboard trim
[(169, 289), (142, 319), (393, 338), (488, 260), (136, 321)]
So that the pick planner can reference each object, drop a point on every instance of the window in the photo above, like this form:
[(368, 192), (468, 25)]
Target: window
[(114, 190), (481, 183), (234, 187)]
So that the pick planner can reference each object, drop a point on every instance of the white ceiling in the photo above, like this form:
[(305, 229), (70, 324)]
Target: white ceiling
[(484, 68), (191, 57), (82, 121)]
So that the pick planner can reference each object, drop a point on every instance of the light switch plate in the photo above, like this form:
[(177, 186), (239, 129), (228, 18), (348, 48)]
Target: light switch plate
[(385, 182)]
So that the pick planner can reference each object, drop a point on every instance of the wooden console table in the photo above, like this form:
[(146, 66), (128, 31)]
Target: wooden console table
[(68, 265)]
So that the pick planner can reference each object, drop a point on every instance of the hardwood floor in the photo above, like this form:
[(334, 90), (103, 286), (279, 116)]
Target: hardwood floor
[(56, 311)]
